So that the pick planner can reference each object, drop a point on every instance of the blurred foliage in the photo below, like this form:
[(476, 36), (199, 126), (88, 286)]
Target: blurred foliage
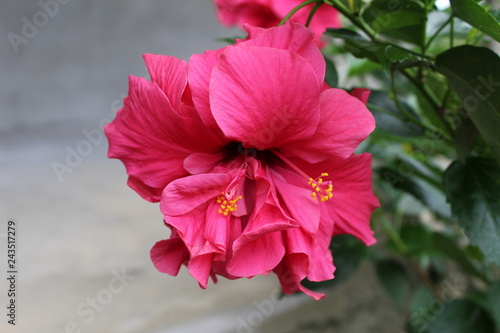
[(435, 83)]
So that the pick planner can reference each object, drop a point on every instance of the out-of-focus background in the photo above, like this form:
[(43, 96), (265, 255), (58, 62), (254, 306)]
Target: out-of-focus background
[(83, 236)]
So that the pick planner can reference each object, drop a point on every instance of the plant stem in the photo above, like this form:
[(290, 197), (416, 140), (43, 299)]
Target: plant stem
[(356, 21), (393, 235), (437, 32), (403, 110), (430, 98), (313, 11), (296, 9), (452, 32)]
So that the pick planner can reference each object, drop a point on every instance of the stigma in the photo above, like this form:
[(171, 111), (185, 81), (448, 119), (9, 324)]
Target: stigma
[(227, 204), (321, 189)]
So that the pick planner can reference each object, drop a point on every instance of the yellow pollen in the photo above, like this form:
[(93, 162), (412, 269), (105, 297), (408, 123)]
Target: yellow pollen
[(321, 189), (227, 205)]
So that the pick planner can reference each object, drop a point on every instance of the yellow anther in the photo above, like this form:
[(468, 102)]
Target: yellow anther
[(227, 205), (321, 189)]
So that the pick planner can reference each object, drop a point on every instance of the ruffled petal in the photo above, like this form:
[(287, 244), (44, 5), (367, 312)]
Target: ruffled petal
[(200, 267), (185, 194), (264, 97), (345, 122), (144, 136), (260, 247), (199, 73), (295, 197), (290, 282), (168, 255), (170, 74), (293, 37)]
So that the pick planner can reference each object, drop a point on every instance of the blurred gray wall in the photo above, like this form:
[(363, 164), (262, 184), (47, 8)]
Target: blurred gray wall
[(72, 68)]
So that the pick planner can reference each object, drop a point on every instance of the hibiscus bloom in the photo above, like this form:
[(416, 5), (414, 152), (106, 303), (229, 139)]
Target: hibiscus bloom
[(251, 158), (268, 13)]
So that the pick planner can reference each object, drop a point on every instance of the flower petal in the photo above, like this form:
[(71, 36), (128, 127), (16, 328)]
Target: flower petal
[(295, 195), (345, 122), (361, 93), (168, 255), (200, 267), (170, 74), (290, 283), (293, 37), (185, 194), (200, 163), (264, 97), (353, 200), (145, 135), (199, 73), (260, 247), (258, 13)]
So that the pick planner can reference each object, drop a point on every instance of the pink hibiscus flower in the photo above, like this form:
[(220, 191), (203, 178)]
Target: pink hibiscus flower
[(251, 158), (268, 13)]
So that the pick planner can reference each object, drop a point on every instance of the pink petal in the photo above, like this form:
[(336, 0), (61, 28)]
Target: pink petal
[(185, 194), (295, 194), (319, 259), (264, 97), (199, 73), (361, 93), (260, 247), (201, 163), (200, 267), (168, 255), (353, 200), (255, 12), (290, 283), (191, 229), (345, 122), (144, 136), (170, 74), (293, 37)]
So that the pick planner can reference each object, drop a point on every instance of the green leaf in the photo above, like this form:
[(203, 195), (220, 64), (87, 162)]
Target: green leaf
[(331, 76), (494, 302), (389, 118), (229, 40), (449, 248), (360, 67), (473, 189), (403, 20), (461, 316), (379, 52), (420, 310), (344, 33), (416, 237), (394, 278), (474, 74), (474, 14), (384, 15)]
